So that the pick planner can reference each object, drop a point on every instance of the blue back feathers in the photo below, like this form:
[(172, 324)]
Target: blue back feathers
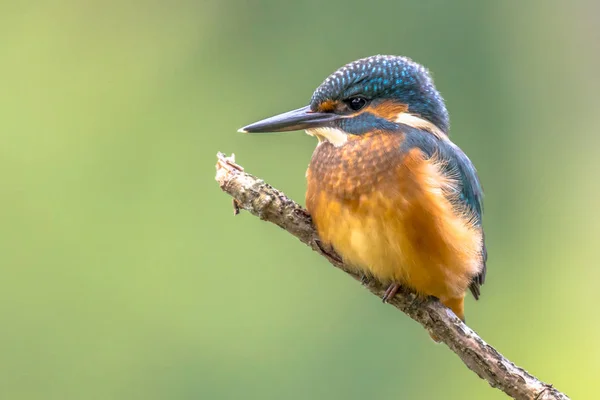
[(456, 164), (387, 77)]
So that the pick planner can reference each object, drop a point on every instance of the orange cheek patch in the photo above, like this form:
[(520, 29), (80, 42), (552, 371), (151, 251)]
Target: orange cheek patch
[(327, 106), (388, 109)]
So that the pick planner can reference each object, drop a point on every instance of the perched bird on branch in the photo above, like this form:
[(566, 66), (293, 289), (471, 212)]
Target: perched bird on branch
[(387, 189)]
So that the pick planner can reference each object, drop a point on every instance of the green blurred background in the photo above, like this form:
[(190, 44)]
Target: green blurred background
[(124, 274)]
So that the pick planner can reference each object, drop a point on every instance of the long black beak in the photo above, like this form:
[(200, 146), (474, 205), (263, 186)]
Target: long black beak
[(302, 118)]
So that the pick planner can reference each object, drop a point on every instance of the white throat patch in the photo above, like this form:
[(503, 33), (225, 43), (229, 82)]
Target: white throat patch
[(334, 136)]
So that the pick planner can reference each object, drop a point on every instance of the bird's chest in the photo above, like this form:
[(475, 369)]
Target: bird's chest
[(386, 214), (354, 197)]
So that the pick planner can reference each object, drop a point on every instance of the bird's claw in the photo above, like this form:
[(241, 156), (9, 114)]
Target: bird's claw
[(390, 292), (327, 252), (365, 280)]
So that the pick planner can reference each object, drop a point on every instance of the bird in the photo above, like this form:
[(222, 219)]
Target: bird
[(386, 187)]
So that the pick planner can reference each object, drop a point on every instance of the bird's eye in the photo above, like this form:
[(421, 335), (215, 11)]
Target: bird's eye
[(356, 103)]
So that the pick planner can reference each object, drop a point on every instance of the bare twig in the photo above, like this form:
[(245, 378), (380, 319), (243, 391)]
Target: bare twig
[(269, 204)]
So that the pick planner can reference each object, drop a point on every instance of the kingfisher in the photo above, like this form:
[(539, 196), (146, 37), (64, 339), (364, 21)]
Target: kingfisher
[(386, 187)]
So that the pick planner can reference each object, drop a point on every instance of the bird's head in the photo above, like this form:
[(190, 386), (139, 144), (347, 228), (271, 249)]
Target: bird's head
[(372, 94)]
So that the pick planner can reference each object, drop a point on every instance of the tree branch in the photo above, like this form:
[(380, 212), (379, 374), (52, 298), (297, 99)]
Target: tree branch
[(269, 204)]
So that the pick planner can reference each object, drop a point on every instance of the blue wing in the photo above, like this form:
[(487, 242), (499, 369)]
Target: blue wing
[(456, 164)]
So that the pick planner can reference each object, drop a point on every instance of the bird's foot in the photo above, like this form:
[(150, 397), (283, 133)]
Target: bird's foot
[(365, 280), (390, 292), (328, 252)]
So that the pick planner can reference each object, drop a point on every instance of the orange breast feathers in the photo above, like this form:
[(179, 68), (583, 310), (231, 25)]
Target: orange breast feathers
[(391, 215)]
